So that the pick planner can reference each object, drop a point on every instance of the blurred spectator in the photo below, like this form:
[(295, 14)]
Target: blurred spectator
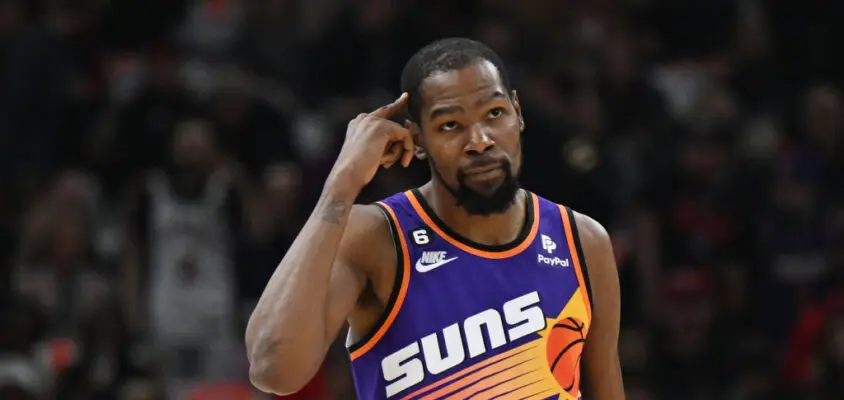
[(686, 338), (145, 125), (276, 219), (250, 130), (105, 361), (185, 226), (57, 268), (19, 379)]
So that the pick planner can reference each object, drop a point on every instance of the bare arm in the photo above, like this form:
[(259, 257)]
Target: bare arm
[(321, 278), (601, 363), (309, 296)]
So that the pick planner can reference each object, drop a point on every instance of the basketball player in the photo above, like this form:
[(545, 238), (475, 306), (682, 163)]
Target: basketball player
[(466, 287)]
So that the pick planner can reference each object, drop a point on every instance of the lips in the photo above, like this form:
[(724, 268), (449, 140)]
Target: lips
[(483, 168)]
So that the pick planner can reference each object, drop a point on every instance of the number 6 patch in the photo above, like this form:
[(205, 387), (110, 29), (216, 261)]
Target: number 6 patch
[(421, 236)]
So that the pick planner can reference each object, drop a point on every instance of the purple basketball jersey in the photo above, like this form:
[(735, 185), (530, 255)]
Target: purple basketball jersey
[(467, 320)]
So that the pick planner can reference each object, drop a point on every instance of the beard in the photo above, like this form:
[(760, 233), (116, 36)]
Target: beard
[(483, 204), (189, 181)]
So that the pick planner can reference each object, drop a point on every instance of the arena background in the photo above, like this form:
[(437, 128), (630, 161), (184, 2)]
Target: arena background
[(705, 135)]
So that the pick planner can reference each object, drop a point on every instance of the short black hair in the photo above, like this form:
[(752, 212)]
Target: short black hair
[(441, 56)]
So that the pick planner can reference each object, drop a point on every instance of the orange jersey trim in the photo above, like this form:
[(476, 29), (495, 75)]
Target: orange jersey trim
[(578, 263), (404, 262), (471, 250)]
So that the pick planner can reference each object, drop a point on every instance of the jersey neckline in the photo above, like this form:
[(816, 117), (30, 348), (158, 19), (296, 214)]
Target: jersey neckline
[(505, 250)]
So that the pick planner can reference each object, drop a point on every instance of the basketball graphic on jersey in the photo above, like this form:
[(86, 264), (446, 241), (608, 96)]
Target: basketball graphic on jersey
[(564, 348)]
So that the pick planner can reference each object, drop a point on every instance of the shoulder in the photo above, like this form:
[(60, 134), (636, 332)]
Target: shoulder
[(594, 238), (368, 218), (598, 257), (368, 241)]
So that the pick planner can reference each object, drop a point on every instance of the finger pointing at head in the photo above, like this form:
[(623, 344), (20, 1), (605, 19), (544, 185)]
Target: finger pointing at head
[(391, 109)]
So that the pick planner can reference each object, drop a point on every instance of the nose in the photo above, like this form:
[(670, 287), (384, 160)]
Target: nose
[(479, 141)]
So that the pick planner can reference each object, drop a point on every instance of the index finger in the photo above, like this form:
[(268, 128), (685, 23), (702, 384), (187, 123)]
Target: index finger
[(391, 109)]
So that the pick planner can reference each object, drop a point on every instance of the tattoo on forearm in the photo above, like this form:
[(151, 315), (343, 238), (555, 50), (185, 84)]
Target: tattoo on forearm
[(334, 211)]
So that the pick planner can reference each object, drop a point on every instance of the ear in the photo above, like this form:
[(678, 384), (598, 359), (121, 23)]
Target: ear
[(418, 148), (518, 107)]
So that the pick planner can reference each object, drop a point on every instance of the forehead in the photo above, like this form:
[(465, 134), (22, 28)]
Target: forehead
[(450, 87)]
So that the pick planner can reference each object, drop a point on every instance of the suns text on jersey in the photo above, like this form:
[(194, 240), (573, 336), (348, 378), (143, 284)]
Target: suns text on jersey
[(410, 365)]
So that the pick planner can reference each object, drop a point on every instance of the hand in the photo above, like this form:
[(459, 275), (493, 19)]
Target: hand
[(372, 140)]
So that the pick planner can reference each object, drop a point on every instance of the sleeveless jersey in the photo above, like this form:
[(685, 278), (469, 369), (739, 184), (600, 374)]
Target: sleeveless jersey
[(191, 278), (192, 289), (467, 320)]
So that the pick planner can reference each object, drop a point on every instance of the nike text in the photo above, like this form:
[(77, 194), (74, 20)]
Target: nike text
[(431, 260)]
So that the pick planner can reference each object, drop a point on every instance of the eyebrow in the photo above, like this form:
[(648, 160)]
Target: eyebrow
[(445, 110), (496, 95)]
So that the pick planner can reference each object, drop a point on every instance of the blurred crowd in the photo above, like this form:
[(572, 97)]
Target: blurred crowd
[(157, 157)]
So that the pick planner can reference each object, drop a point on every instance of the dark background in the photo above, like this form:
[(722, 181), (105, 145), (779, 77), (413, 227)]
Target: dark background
[(705, 135)]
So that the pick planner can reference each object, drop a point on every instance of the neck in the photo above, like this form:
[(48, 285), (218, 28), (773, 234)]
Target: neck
[(495, 229)]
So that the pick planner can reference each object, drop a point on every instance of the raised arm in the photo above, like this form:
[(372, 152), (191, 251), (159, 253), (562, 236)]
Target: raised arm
[(602, 369), (320, 279)]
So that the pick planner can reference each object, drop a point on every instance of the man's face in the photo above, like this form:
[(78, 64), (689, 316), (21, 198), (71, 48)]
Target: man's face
[(193, 146), (470, 132)]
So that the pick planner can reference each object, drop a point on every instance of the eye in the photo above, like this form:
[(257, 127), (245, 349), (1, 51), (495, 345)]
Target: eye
[(449, 126), (496, 112)]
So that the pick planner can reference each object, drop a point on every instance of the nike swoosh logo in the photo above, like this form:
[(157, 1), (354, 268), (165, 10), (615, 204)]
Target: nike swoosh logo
[(430, 267)]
